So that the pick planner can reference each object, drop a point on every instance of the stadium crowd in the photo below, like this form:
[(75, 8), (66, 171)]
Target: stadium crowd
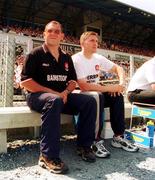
[(106, 44), (37, 32)]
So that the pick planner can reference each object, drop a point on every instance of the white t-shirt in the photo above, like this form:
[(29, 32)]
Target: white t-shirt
[(143, 77), (91, 69)]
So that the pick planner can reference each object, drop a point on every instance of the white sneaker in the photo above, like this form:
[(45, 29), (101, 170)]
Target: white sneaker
[(120, 142), (99, 149)]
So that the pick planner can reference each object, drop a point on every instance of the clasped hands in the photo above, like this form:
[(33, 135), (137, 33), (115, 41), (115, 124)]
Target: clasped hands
[(71, 85)]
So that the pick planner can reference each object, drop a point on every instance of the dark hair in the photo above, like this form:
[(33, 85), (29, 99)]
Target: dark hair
[(54, 22)]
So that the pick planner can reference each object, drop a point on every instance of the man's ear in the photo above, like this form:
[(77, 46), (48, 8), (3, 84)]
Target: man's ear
[(43, 34), (81, 44), (62, 36)]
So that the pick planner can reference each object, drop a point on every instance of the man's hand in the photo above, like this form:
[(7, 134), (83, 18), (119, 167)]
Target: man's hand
[(116, 90), (64, 95), (71, 85)]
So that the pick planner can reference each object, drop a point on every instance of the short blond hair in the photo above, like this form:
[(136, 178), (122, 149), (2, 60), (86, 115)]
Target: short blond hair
[(86, 34)]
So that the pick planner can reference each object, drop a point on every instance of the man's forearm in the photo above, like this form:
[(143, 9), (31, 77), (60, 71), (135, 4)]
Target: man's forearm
[(121, 75), (33, 86), (84, 86)]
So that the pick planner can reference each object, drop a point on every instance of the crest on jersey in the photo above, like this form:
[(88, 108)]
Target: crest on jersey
[(66, 66), (97, 67)]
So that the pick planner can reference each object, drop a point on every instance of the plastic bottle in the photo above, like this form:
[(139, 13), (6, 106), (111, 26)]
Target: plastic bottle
[(150, 132), (150, 128)]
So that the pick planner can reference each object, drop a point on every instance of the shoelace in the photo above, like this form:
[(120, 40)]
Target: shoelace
[(101, 146)]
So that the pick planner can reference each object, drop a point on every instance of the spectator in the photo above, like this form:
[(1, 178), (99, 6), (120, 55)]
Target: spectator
[(17, 77)]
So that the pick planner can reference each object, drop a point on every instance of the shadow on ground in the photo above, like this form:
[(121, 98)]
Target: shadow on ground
[(22, 159)]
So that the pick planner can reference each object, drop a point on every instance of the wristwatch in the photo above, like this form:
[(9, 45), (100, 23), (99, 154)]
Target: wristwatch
[(68, 91)]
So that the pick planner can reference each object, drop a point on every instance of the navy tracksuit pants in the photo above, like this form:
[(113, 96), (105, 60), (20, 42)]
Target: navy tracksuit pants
[(51, 106), (116, 105)]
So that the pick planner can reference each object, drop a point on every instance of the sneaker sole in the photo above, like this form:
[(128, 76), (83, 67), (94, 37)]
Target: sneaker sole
[(130, 150), (124, 148), (102, 156), (84, 159), (88, 160), (43, 165)]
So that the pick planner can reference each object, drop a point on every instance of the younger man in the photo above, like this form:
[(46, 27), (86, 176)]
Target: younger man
[(88, 65)]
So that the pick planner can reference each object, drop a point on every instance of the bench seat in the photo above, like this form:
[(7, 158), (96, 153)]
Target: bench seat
[(21, 117)]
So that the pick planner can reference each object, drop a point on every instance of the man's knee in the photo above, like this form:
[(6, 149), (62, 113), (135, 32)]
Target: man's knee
[(54, 102), (91, 101), (119, 97)]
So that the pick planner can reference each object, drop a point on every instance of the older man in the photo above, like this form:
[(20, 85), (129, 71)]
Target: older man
[(49, 77)]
